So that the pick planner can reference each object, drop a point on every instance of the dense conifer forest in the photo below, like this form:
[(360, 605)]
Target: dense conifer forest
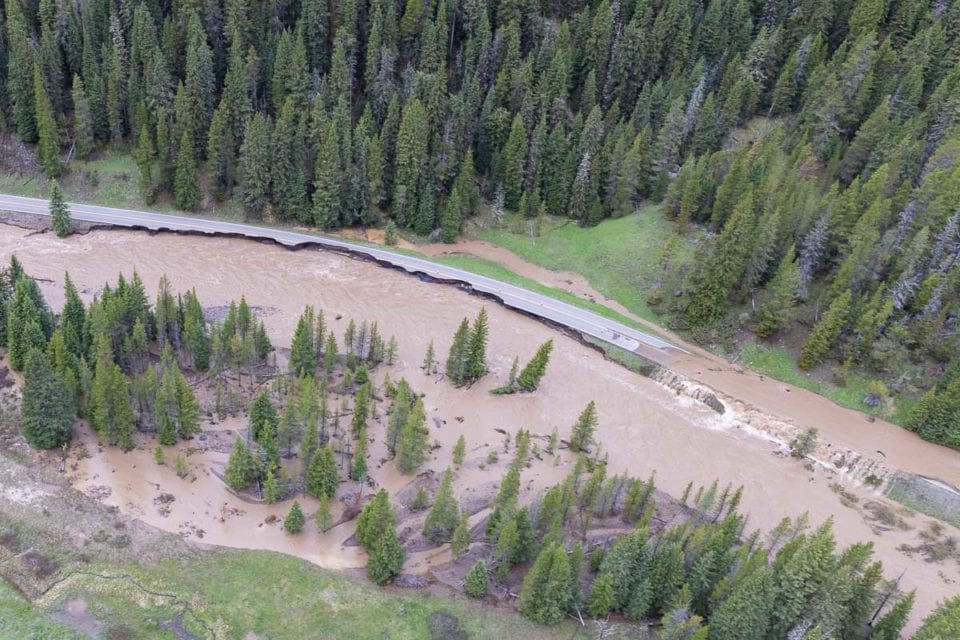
[(816, 141)]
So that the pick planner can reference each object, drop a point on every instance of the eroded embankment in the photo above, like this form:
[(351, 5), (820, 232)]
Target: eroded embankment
[(644, 426)]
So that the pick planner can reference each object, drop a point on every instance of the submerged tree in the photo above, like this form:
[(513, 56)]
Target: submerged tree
[(581, 436), (444, 516)]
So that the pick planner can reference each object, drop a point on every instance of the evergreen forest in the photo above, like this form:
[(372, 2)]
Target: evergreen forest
[(814, 141)]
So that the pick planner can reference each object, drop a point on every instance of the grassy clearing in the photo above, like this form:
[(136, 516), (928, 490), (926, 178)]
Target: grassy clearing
[(110, 181), (276, 596), (620, 258), (496, 270), (780, 364), (920, 495), (20, 619)]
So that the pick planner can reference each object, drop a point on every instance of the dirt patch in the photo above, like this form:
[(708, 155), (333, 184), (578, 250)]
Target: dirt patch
[(445, 626), (75, 615)]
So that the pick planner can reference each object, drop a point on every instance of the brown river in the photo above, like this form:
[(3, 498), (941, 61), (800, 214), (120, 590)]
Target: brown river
[(644, 426)]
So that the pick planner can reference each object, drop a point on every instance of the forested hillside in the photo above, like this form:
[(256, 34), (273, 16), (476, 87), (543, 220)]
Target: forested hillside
[(833, 207)]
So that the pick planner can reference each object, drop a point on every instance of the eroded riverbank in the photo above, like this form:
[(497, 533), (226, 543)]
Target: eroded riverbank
[(643, 425)]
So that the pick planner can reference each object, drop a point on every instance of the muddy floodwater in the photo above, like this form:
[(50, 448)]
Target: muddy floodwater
[(644, 426)]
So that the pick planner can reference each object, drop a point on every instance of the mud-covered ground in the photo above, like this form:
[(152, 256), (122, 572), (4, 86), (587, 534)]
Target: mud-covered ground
[(644, 426)]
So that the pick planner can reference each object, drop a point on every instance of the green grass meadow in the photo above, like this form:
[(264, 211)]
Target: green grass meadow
[(620, 257), (233, 593)]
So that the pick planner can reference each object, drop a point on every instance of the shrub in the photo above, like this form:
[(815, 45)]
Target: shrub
[(477, 582), (294, 521)]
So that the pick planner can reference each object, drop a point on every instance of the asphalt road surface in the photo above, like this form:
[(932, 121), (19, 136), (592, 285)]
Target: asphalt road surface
[(529, 302)]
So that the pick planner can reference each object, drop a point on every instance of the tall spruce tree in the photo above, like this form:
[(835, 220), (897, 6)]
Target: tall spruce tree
[(531, 375), (48, 133), (581, 436), (545, 596), (59, 212), (46, 411), (412, 441), (457, 369), (186, 187), (476, 362), (444, 515)]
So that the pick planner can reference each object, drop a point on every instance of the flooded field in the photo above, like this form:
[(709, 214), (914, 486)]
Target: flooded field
[(644, 426)]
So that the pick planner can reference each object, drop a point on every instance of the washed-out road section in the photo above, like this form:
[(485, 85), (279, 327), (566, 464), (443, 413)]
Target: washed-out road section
[(529, 302)]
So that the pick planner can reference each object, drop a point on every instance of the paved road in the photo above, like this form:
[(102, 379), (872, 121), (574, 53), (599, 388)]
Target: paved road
[(513, 296)]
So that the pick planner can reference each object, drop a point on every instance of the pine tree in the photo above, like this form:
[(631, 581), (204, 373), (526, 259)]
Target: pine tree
[(893, 621), (111, 394), (777, 310), (533, 372), (177, 408), (459, 353), (186, 188), (943, 623), (627, 565), (451, 217), (253, 171), (295, 519), (72, 318), (361, 407), (271, 492), (145, 158), (411, 154), (386, 557), (476, 359), (25, 323), (358, 466), (195, 336), (46, 410), (289, 429), (261, 411), (514, 160), (581, 436), (376, 520), (412, 440), (82, 119), (399, 413), (326, 179), (477, 583), (303, 352), (390, 234), (429, 360), (330, 354), (324, 518), (322, 478), (746, 612), (723, 269), (180, 466), (240, 468), (825, 333), (59, 212), (221, 154), (460, 542), (47, 131), (444, 516), (602, 598), (545, 594), (459, 450)]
